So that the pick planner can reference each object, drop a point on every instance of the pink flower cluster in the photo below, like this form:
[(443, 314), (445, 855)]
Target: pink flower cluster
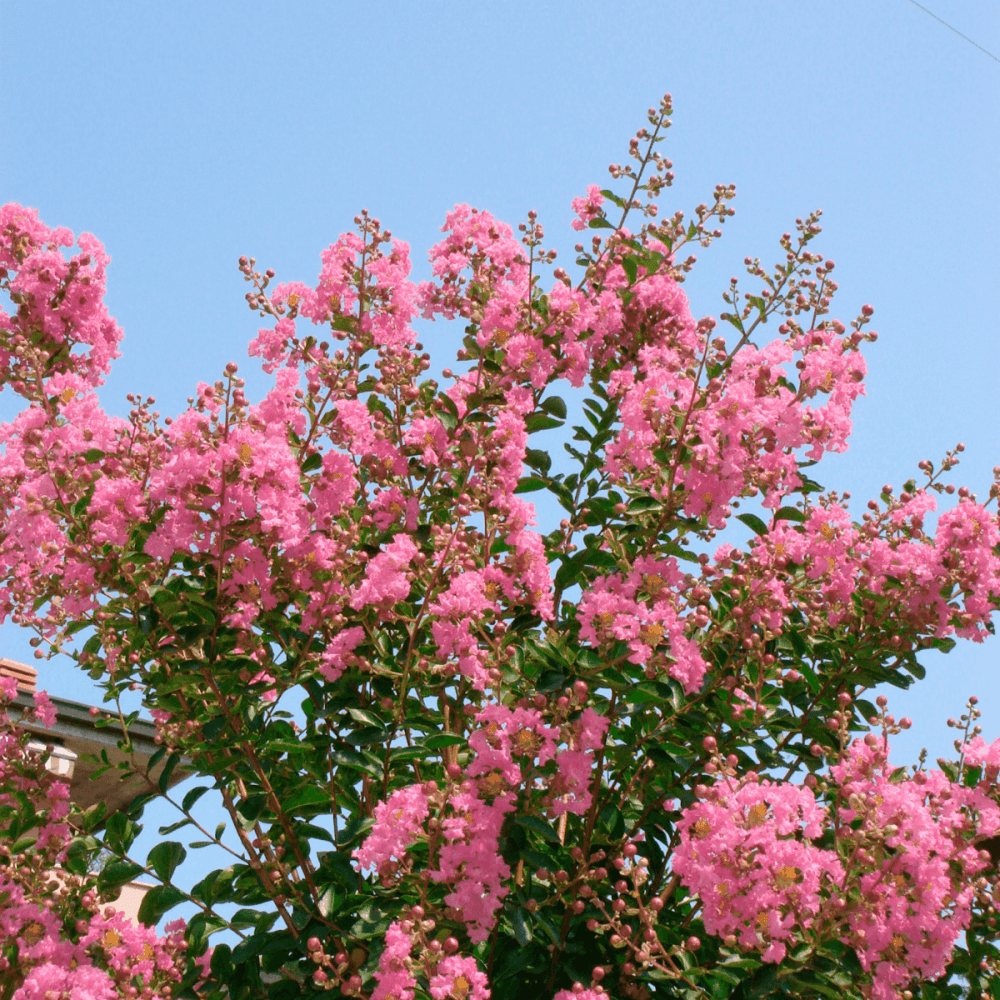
[(398, 821), (939, 584), (61, 325), (641, 608), (587, 208), (747, 852), (511, 751), (898, 885), (449, 976), (744, 428), (914, 865)]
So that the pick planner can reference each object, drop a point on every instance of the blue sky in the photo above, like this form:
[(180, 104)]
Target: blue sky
[(186, 134)]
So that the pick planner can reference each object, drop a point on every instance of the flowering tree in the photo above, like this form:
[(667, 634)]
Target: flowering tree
[(622, 758)]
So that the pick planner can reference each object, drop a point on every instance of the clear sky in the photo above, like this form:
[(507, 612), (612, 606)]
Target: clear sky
[(188, 133)]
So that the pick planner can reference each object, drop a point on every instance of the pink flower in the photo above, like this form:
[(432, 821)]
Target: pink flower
[(572, 786), (398, 821), (336, 657), (587, 208), (459, 977), (395, 980), (44, 709), (386, 579), (85, 982), (470, 860)]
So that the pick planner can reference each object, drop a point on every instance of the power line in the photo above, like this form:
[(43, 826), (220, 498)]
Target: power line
[(957, 32)]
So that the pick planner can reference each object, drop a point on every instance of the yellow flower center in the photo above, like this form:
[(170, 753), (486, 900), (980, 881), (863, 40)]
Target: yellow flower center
[(494, 784), (652, 634), (33, 933), (525, 740), (787, 875)]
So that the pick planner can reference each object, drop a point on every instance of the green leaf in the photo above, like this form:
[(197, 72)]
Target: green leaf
[(753, 522), (306, 798), (630, 265), (327, 902), (192, 797), (93, 815), (361, 714), (644, 505), (444, 740), (789, 514), (522, 932), (538, 826), (118, 872), (212, 729), (600, 223), (529, 484), (222, 961), (556, 406), (168, 770), (157, 902), (348, 758), (165, 857), (540, 422), (538, 460), (120, 832), (314, 461), (311, 832), (164, 830), (249, 810), (366, 736)]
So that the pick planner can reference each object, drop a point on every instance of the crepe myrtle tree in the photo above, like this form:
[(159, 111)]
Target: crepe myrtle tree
[(623, 758)]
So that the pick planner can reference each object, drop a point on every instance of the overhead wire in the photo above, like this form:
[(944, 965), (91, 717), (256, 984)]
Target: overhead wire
[(957, 32)]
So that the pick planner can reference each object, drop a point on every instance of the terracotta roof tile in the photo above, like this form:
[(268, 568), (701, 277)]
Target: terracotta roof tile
[(24, 675)]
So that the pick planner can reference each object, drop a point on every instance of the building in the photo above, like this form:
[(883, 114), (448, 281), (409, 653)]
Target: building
[(75, 739)]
